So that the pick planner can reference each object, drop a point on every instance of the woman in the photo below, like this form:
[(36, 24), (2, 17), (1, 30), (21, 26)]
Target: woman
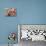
[(11, 12)]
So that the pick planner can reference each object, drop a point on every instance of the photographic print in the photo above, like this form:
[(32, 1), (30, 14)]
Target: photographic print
[(10, 11)]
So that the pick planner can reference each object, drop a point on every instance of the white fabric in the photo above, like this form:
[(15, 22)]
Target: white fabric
[(33, 37), (24, 33), (37, 37), (41, 32)]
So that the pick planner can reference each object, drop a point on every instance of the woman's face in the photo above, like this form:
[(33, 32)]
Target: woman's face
[(12, 12)]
